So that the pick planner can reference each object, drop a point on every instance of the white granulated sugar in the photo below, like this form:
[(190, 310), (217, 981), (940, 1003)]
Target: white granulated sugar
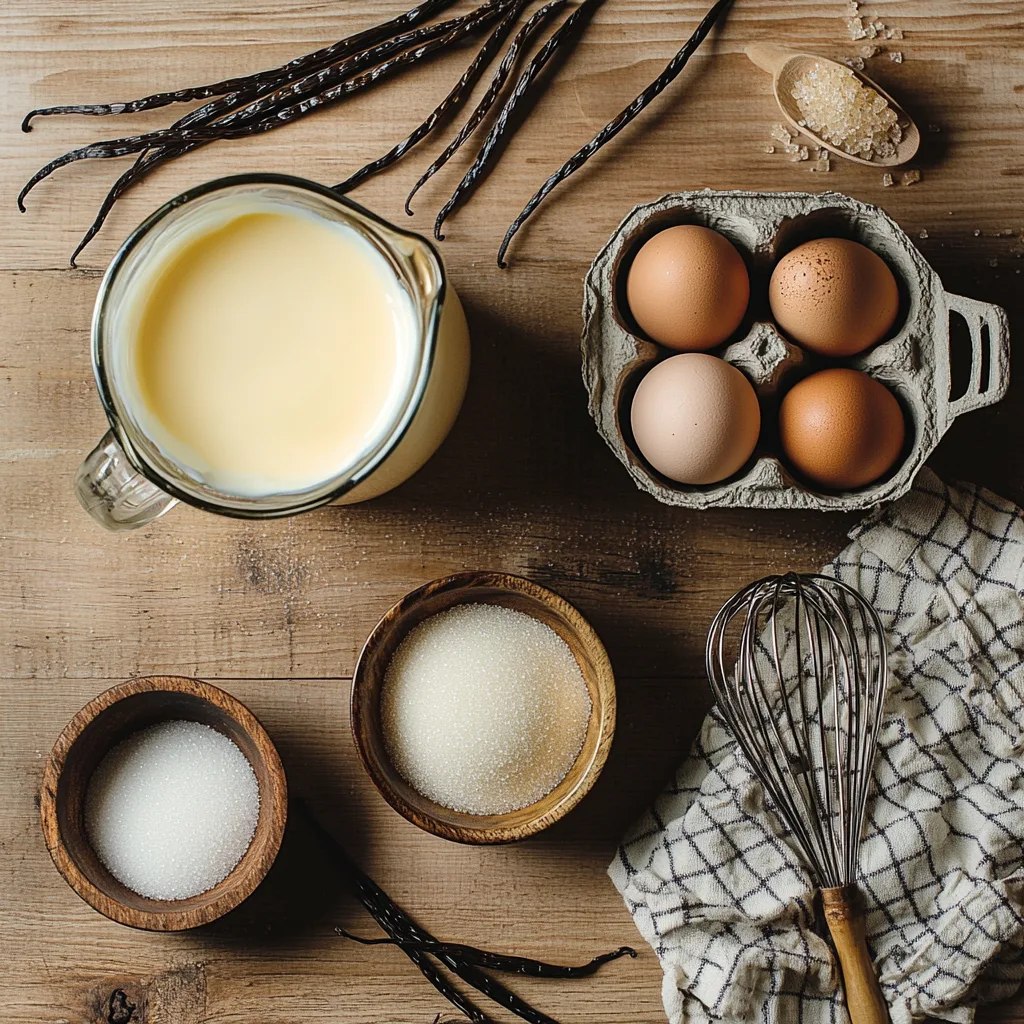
[(172, 809), (484, 709)]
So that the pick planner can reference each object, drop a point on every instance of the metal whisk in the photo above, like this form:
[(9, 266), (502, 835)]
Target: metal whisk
[(798, 668)]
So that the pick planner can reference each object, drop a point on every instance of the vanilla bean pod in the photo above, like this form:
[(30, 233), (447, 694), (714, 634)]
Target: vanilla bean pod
[(456, 998), (610, 130), (382, 59), (388, 915), (508, 62), (299, 65), (410, 936), (499, 961), (462, 88), (503, 127), (263, 115), (494, 990), (146, 162)]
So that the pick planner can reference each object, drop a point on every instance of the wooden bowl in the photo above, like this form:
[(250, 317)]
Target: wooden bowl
[(102, 724), (510, 592)]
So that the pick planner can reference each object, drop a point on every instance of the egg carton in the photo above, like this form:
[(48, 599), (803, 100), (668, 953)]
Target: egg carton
[(914, 361)]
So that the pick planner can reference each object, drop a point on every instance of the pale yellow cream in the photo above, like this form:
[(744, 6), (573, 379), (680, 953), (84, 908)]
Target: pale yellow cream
[(270, 351)]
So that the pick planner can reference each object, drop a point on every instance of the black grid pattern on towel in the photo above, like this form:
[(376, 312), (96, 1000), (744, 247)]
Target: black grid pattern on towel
[(712, 880)]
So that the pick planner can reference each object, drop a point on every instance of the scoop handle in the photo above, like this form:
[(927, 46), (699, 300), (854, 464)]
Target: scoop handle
[(768, 57), (846, 924)]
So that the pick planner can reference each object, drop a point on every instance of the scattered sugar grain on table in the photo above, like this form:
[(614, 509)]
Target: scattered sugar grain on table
[(172, 809), (484, 709)]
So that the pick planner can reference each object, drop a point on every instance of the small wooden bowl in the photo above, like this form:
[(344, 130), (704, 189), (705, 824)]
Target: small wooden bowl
[(510, 592), (90, 735)]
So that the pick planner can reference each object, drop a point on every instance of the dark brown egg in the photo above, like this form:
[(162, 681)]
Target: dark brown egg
[(688, 288), (834, 296), (841, 429)]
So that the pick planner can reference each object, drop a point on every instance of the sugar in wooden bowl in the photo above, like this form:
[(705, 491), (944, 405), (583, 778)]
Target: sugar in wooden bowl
[(163, 803), (483, 707)]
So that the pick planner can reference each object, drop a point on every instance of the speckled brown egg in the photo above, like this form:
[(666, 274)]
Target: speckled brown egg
[(688, 288), (841, 429), (834, 296), (695, 418)]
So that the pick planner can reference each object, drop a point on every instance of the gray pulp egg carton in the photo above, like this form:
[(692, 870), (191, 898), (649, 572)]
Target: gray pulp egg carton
[(914, 361)]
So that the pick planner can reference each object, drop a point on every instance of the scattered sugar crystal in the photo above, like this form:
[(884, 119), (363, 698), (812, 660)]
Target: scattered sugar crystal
[(896, 57), (857, 63), (821, 164), (894, 33), (769, 149), (856, 28), (870, 31), (934, 128), (852, 8), (887, 179), (878, 25), (484, 709), (172, 809), (911, 177), (977, 232), (780, 133), (924, 233), (843, 111), (993, 262), (868, 51)]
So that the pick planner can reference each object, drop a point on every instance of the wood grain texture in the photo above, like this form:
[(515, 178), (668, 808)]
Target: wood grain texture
[(277, 612), (93, 732), (520, 595)]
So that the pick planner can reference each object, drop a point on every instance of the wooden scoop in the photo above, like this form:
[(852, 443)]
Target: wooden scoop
[(787, 66)]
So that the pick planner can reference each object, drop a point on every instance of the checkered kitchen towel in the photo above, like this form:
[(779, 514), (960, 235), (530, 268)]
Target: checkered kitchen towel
[(721, 894)]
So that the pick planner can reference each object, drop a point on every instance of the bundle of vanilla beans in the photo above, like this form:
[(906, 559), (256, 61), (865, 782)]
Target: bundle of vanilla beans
[(259, 102), (472, 965)]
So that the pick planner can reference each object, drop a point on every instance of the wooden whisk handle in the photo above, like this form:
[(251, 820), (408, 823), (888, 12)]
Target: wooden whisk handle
[(846, 924)]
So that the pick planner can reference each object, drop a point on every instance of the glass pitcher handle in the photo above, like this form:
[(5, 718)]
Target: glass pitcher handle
[(114, 492)]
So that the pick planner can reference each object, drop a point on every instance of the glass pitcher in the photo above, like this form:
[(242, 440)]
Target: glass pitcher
[(127, 481)]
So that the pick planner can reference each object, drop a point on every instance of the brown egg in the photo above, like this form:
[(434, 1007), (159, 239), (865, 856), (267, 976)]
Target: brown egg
[(834, 296), (688, 288), (695, 418), (841, 428)]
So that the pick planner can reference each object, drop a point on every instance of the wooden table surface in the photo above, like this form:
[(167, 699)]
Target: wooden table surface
[(276, 612)]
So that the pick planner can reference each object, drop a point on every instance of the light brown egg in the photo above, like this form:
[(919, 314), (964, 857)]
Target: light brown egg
[(695, 418), (834, 296), (688, 288), (841, 429)]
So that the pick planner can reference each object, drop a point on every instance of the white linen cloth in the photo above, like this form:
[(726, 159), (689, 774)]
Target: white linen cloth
[(718, 891)]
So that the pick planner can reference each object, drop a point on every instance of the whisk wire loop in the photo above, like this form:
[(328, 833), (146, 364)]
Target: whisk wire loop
[(798, 667)]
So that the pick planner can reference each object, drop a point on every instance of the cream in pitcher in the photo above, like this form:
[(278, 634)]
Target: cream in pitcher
[(269, 352), (269, 349)]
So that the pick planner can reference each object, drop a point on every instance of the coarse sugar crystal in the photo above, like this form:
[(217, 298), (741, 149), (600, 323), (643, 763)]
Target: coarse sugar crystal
[(845, 112)]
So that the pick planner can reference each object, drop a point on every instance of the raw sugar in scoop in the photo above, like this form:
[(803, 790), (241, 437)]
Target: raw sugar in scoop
[(484, 709), (847, 113), (172, 809)]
